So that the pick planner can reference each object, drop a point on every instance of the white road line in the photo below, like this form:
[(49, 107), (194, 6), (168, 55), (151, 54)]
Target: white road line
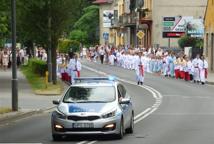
[(92, 142), (82, 142), (156, 94), (142, 113)]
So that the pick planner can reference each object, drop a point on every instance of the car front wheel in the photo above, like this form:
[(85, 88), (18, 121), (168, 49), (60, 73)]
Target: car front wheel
[(121, 132), (130, 129), (56, 137)]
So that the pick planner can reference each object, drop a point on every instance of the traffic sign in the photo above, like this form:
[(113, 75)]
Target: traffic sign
[(140, 34), (106, 36)]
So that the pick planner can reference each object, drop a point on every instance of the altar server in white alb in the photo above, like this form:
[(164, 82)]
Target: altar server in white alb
[(203, 66), (196, 63), (139, 69), (74, 67)]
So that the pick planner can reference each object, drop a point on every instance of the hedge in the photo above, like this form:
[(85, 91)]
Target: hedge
[(38, 66)]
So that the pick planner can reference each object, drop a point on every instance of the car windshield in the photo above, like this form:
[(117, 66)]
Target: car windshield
[(90, 94)]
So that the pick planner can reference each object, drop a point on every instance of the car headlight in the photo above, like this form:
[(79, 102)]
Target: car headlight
[(60, 114), (110, 114)]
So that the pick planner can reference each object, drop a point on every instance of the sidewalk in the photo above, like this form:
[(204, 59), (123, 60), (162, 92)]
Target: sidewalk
[(210, 79), (27, 100)]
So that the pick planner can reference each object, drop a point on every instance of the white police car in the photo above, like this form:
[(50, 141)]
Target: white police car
[(93, 106)]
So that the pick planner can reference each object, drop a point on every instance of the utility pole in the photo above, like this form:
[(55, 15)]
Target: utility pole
[(169, 43), (14, 66)]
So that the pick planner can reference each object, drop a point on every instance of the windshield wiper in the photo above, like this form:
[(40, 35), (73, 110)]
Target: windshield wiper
[(69, 101)]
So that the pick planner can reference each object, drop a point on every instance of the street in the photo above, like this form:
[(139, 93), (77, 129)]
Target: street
[(166, 112)]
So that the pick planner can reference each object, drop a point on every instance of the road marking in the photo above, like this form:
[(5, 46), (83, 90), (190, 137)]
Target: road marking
[(142, 113), (82, 142), (92, 142), (190, 97), (156, 94)]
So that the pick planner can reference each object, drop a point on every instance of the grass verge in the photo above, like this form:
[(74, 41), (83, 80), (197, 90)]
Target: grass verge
[(38, 83), (4, 110)]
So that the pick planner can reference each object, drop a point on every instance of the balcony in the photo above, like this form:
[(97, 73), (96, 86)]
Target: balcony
[(129, 20), (115, 23), (146, 16)]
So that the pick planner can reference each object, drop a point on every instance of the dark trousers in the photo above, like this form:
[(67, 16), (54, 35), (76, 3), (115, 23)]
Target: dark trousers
[(101, 58)]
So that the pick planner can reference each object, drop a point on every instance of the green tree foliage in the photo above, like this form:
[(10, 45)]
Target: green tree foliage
[(40, 21), (4, 21), (79, 35), (187, 41), (87, 26), (65, 45)]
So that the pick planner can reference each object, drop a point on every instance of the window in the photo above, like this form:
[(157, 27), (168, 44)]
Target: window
[(90, 94), (122, 90)]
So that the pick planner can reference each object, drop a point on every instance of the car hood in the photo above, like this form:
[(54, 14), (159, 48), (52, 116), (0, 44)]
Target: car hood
[(86, 107)]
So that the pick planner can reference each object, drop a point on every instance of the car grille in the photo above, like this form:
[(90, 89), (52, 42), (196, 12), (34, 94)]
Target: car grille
[(80, 118), (87, 129)]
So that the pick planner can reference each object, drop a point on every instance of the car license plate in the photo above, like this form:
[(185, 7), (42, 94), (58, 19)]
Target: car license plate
[(83, 125)]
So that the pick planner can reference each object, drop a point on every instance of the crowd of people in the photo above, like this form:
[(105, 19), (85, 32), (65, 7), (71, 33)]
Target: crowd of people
[(68, 67), (158, 61), (6, 57)]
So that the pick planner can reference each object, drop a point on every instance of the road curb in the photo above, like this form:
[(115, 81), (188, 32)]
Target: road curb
[(13, 116), (210, 83)]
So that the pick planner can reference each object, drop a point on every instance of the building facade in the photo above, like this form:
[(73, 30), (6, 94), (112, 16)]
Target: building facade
[(132, 16), (129, 17), (105, 13), (209, 34), (171, 8)]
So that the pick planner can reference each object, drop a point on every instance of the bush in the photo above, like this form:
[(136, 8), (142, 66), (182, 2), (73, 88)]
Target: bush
[(65, 45), (38, 66), (187, 41)]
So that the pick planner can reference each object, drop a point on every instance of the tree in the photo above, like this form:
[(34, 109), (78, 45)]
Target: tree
[(4, 21), (34, 27), (187, 41), (87, 26), (78, 35), (65, 45)]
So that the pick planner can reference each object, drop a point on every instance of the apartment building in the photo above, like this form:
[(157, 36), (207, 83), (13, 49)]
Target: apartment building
[(209, 34)]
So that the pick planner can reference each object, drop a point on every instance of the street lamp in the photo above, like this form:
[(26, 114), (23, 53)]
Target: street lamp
[(14, 67)]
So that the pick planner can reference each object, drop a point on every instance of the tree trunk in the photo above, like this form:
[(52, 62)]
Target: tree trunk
[(53, 51)]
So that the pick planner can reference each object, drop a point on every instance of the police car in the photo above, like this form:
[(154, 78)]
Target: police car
[(93, 106)]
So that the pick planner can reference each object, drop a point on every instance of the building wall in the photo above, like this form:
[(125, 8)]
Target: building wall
[(103, 29), (209, 34), (161, 8)]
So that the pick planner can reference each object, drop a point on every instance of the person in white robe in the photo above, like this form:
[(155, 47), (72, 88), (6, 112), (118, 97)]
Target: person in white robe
[(112, 59), (196, 63), (74, 66), (203, 66), (139, 69)]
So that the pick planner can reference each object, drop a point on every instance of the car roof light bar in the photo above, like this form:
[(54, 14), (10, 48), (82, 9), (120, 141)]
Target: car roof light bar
[(110, 78)]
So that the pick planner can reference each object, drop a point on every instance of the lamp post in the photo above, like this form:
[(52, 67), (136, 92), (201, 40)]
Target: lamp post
[(14, 66)]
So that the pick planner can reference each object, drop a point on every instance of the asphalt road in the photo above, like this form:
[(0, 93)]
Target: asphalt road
[(185, 114)]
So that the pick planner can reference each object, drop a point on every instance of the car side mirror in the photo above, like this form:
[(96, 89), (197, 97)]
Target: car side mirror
[(56, 102), (125, 101)]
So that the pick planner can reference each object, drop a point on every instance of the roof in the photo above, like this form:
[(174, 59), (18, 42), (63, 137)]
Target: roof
[(102, 1)]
